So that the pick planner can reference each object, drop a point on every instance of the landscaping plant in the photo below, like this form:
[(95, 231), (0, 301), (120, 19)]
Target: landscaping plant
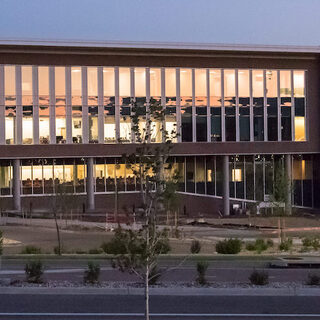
[(202, 267), (259, 278), (195, 246), (229, 246), (91, 275), (34, 271)]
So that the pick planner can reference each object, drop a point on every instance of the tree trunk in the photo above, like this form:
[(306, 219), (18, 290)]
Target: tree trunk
[(147, 293), (58, 232)]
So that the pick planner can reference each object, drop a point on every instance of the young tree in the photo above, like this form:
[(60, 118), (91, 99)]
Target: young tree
[(149, 164)]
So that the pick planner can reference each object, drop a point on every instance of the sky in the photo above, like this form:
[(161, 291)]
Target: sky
[(261, 22)]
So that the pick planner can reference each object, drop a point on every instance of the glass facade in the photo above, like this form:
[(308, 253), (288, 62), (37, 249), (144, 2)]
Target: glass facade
[(93, 104), (252, 177)]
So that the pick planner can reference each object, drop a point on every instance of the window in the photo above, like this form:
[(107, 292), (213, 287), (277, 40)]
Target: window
[(258, 104), (27, 124), (215, 103), (76, 124), (285, 101), (60, 85), (92, 74), (26, 85), (200, 175), (5, 177), (93, 124), (244, 104), (201, 104), (10, 85), (155, 97), (61, 124), (299, 105), (272, 104), (109, 105), (125, 104), (43, 82), (186, 105), (76, 86), (230, 102), (44, 124), (10, 124), (170, 113)]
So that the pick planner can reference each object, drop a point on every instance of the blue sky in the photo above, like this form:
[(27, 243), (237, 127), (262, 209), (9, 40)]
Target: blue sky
[(266, 22)]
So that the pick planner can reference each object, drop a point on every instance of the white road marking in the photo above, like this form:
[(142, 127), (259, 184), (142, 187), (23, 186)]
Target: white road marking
[(171, 315)]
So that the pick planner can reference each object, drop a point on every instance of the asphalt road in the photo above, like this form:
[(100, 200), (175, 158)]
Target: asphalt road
[(110, 307)]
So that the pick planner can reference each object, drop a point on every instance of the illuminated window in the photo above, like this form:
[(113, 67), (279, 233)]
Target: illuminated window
[(77, 124), (140, 82), (186, 105), (285, 83), (10, 124), (272, 104), (171, 100), (298, 82), (125, 104), (229, 103), (201, 104), (93, 124), (44, 124), (299, 127), (258, 104), (27, 125), (244, 104), (155, 83), (61, 124), (236, 175), (215, 103), (299, 105)]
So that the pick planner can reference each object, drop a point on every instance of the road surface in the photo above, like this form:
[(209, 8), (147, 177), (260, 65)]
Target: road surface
[(130, 307)]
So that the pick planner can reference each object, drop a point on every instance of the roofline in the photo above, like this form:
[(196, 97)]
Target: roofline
[(161, 45)]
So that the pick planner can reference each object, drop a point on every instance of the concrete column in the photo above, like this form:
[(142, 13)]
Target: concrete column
[(16, 186), (90, 185), (288, 177), (225, 191)]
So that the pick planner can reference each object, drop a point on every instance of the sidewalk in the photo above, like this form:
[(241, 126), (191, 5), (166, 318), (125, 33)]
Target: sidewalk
[(168, 291)]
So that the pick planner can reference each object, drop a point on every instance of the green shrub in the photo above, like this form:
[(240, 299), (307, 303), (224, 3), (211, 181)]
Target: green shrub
[(34, 271), (259, 245), (31, 250), (91, 275), (195, 246), (285, 245), (270, 243), (163, 246), (310, 242), (259, 278), (313, 280), (315, 243), (229, 246), (306, 242), (202, 267), (154, 275)]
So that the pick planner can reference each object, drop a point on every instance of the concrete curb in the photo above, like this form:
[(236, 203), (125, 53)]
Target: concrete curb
[(166, 291)]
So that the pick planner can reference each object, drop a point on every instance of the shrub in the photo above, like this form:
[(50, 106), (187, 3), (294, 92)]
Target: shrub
[(229, 246), (34, 271), (154, 275), (313, 280), (306, 242), (285, 245), (310, 242), (202, 267), (259, 245), (270, 243), (163, 246), (315, 243), (31, 250), (259, 278), (56, 250), (91, 275), (195, 246)]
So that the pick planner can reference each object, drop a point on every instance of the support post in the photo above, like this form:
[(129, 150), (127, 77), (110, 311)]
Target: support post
[(226, 192), (90, 185), (288, 177), (16, 190)]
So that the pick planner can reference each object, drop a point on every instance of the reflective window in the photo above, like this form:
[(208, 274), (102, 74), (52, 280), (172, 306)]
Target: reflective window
[(92, 74), (272, 104), (27, 124), (125, 104), (201, 104), (215, 103), (60, 85), (43, 80), (230, 102), (10, 85), (258, 104), (26, 75), (76, 85), (285, 100), (10, 124), (186, 105), (76, 124), (244, 104), (299, 105), (170, 91), (93, 124)]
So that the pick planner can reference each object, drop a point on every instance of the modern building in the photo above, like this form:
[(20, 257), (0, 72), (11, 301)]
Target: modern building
[(241, 112)]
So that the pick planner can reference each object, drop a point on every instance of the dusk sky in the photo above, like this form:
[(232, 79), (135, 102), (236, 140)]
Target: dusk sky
[(269, 22)]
